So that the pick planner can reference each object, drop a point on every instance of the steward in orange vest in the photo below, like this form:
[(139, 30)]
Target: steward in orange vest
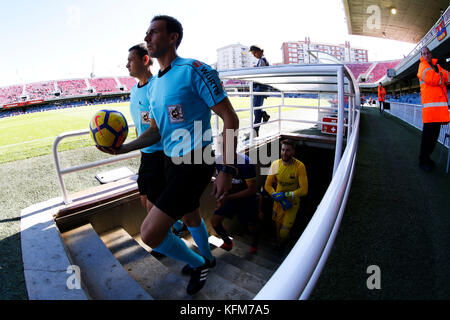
[(381, 93), (381, 96), (433, 90)]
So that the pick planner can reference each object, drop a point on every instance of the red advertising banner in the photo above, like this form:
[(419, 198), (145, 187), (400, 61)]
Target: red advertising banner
[(22, 104)]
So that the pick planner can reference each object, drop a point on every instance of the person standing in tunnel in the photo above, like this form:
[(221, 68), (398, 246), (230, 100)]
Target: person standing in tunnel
[(381, 96), (258, 100), (433, 81)]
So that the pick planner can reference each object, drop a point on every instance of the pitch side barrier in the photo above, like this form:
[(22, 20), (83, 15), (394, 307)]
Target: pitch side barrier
[(299, 272), (60, 172), (297, 275)]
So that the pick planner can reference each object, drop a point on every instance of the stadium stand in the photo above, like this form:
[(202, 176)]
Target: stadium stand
[(53, 105), (128, 82), (72, 87), (104, 85), (40, 90), (232, 81), (372, 72), (380, 70), (10, 94), (413, 98), (67, 88), (359, 69)]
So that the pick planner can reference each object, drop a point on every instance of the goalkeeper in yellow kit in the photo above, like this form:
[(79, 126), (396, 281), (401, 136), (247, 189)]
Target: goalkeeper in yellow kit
[(286, 183)]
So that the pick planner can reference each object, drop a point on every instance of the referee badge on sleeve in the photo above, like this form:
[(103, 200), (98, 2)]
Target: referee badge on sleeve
[(176, 113), (145, 118)]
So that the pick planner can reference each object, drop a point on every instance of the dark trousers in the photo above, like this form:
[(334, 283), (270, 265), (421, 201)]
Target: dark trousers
[(381, 105), (430, 135), (258, 102)]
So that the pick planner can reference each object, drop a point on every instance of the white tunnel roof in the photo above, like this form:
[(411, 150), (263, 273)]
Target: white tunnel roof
[(304, 78)]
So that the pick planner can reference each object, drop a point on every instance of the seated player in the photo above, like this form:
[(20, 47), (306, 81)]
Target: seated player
[(241, 200), (287, 182)]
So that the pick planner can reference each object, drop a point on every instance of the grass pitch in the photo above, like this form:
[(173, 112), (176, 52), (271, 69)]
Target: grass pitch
[(31, 135)]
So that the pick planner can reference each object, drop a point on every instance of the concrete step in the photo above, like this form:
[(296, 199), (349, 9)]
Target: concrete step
[(243, 264), (216, 287), (154, 277), (242, 250), (266, 247), (102, 276), (248, 275)]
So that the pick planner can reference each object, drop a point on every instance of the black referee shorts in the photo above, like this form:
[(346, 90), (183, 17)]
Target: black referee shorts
[(185, 184), (151, 179)]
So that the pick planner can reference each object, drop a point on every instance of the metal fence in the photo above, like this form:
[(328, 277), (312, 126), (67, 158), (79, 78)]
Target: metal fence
[(412, 114)]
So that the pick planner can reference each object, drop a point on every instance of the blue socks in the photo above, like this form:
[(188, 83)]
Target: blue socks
[(175, 248), (200, 235)]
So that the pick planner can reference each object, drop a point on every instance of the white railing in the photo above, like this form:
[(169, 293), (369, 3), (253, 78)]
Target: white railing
[(332, 75), (408, 112), (60, 172), (300, 270), (411, 114)]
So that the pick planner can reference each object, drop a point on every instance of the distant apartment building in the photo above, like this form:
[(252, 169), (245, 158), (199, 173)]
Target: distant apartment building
[(235, 56), (295, 52)]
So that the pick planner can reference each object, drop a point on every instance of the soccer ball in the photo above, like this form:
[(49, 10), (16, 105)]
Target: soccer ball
[(108, 128)]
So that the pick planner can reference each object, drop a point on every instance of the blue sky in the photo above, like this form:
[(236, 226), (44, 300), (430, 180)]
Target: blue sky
[(60, 39)]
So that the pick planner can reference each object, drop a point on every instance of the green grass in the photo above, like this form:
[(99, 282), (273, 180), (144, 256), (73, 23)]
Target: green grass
[(31, 135)]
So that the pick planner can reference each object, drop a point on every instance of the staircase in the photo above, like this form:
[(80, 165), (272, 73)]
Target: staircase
[(117, 265)]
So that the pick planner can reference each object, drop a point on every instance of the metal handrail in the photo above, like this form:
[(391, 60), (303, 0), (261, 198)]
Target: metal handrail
[(60, 172), (297, 275), (339, 71)]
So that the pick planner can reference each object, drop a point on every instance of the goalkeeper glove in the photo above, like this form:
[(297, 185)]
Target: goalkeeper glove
[(285, 204), (278, 196)]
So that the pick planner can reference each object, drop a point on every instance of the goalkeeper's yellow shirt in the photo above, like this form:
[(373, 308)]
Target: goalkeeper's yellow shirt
[(291, 178), (283, 178)]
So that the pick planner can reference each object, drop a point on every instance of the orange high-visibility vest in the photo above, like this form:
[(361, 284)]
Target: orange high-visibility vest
[(381, 93), (433, 92)]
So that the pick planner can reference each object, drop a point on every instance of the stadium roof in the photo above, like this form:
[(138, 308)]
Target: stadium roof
[(411, 22)]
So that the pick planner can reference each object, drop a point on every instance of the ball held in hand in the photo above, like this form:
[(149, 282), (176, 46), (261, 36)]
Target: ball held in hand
[(108, 128)]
